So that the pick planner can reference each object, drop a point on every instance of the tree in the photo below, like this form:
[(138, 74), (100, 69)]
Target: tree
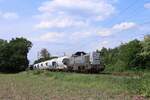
[(146, 46), (4, 55), (126, 56), (145, 54), (14, 55), (20, 48), (44, 54), (109, 57), (128, 53)]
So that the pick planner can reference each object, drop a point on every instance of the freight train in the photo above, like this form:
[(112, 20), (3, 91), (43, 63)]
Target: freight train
[(78, 62)]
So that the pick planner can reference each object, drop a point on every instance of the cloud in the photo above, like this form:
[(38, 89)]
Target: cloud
[(9, 15), (62, 22), (124, 26), (49, 37), (147, 5), (75, 19), (105, 32), (73, 13), (56, 37), (104, 43), (80, 35), (117, 28), (92, 46)]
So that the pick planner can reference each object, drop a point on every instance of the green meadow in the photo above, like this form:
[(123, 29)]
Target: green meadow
[(45, 85)]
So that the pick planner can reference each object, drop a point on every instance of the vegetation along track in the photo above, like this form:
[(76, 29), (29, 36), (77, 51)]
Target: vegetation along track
[(45, 85)]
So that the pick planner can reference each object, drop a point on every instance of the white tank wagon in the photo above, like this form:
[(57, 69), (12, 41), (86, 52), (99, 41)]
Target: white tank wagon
[(62, 62), (54, 64)]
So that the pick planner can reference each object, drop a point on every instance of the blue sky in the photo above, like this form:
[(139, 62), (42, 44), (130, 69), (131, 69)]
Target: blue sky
[(73, 25)]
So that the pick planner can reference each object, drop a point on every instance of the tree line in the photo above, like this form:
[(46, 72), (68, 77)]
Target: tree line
[(132, 55), (13, 54)]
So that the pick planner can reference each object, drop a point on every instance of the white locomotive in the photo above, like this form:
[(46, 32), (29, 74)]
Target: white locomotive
[(80, 62)]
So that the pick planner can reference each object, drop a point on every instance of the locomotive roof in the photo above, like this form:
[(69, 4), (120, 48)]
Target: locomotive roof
[(79, 53)]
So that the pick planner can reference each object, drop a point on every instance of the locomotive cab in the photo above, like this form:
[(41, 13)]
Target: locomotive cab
[(95, 61)]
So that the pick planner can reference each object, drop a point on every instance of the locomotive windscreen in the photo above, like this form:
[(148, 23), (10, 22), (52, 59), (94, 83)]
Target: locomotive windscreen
[(95, 58)]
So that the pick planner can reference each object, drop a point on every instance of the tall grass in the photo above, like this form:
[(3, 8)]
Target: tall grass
[(131, 82), (139, 85), (77, 86)]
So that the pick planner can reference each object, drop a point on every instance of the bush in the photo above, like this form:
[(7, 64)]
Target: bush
[(120, 66)]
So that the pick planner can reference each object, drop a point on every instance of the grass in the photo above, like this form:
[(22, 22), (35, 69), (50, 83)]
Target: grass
[(44, 85)]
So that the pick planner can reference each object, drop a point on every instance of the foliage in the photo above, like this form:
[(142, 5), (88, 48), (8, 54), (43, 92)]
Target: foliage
[(44, 55), (43, 59), (132, 55), (145, 54), (128, 53), (13, 55)]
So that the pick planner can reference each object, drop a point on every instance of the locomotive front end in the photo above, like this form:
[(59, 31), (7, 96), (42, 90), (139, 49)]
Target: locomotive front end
[(95, 60)]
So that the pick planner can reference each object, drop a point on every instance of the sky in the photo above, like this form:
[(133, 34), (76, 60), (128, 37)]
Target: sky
[(67, 26)]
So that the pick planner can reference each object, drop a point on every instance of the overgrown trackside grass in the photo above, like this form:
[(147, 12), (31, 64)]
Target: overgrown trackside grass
[(44, 85)]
